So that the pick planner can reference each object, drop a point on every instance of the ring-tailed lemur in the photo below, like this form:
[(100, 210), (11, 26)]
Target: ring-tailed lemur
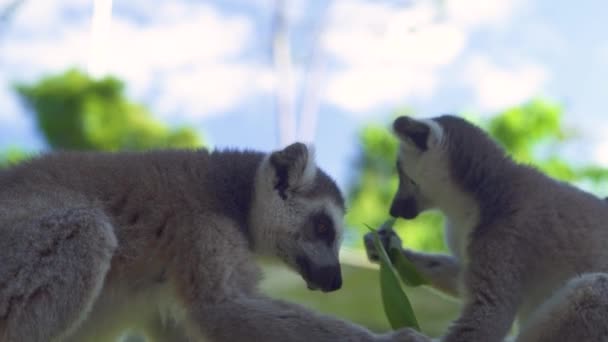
[(522, 244), (91, 243)]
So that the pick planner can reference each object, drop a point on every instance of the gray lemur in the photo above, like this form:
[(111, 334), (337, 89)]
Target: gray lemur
[(522, 245), (91, 243)]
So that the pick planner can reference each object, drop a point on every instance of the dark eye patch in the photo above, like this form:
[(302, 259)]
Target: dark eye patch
[(323, 228)]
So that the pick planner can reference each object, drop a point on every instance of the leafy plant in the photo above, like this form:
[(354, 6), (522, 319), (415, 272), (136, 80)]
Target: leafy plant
[(12, 156), (396, 304), (75, 111)]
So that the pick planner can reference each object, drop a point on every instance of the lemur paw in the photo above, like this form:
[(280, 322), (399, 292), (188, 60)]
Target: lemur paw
[(388, 239), (404, 335)]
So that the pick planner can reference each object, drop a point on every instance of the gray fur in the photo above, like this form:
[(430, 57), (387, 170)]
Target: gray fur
[(522, 245), (164, 241)]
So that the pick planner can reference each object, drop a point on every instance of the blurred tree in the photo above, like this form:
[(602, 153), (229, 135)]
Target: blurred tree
[(74, 111), (532, 133), (11, 156)]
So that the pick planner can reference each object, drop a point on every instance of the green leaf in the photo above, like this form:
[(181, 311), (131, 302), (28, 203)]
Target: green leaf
[(397, 306), (406, 269)]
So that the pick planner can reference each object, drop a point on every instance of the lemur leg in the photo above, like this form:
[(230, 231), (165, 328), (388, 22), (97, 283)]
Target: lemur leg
[(263, 319), (578, 312), (52, 268), (494, 290), (441, 270)]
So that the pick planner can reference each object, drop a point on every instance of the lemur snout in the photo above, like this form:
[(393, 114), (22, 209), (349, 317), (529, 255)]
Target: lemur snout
[(404, 208), (329, 278), (326, 278)]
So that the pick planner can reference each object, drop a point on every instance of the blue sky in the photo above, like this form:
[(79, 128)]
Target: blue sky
[(208, 64)]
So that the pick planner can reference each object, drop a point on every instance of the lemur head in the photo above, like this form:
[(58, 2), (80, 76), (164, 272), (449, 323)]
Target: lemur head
[(297, 215), (420, 166), (439, 160)]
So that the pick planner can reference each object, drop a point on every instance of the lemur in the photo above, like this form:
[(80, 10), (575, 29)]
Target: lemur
[(522, 244), (91, 243)]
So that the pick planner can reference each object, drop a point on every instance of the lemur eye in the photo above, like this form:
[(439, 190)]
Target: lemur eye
[(321, 228)]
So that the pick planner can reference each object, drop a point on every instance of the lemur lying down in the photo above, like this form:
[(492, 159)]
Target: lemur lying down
[(522, 244), (93, 243)]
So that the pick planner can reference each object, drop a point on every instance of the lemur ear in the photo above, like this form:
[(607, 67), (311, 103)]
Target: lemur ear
[(294, 167), (410, 130)]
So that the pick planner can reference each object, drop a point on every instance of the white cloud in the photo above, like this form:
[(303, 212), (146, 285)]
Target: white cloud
[(47, 18), (434, 46), (198, 57), (189, 52), (600, 153), (202, 35), (192, 55), (498, 87), (29, 58), (385, 58), (474, 13), (211, 88), (390, 54), (364, 88), (591, 143)]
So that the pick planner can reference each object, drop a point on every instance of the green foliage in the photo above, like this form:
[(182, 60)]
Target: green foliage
[(396, 303), (406, 269), (532, 133), (521, 129), (12, 156), (74, 111)]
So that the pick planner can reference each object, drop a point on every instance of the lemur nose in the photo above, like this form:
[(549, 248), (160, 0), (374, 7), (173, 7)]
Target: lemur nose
[(330, 278), (337, 283), (404, 207)]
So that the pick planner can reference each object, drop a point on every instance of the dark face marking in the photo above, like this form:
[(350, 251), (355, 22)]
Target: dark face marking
[(416, 131), (327, 278), (323, 228), (404, 203), (324, 274), (404, 207), (286, 162), (281, 183)]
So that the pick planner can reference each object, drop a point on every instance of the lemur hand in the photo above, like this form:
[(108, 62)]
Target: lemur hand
[(388, 239)]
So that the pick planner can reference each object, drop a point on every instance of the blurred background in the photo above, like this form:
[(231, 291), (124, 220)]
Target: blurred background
[(135, 74)]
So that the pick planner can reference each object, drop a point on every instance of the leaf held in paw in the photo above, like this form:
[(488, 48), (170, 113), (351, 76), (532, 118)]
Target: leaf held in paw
[(397, 306), (406, 269)]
